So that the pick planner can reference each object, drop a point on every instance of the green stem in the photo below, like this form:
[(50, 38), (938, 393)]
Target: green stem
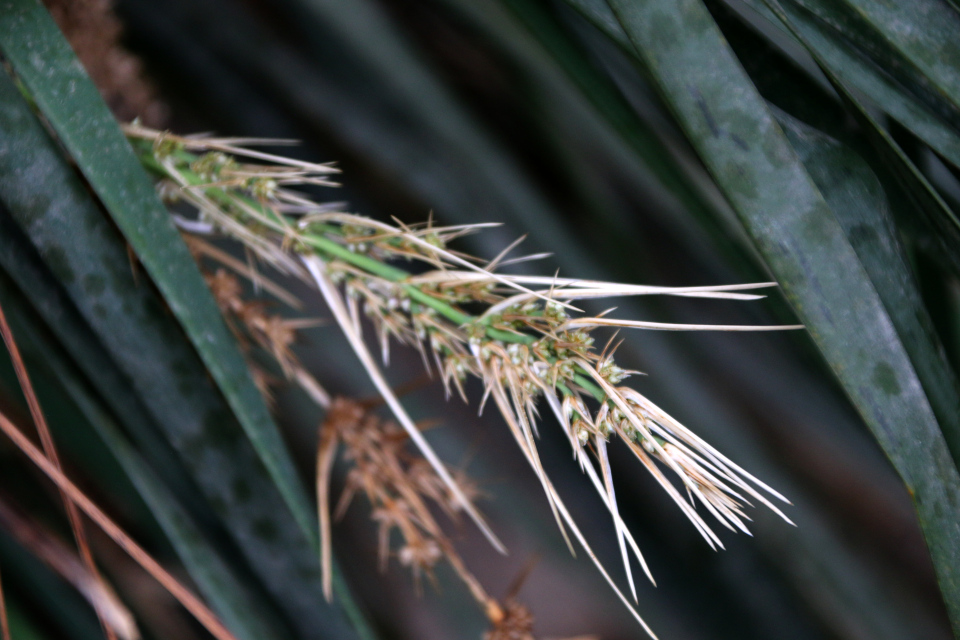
[(331, 248), (325, 245), (589, 385)]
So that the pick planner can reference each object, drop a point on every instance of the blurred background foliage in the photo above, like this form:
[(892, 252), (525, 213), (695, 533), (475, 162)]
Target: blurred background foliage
[(665, 142)]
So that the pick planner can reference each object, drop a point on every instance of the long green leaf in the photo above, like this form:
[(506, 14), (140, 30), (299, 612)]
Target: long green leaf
[(940, 218), (843, 58), (602, 16), (28, 271), (938, 224), (854, 193), (65, 95), (859, 202), (916, 41), (639, 136), (448, 139), (608, 101), (886, 264), (89, 259), (860, 72), (805, 246)]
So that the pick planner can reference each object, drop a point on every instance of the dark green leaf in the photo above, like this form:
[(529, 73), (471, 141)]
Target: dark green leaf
[(609, 102), (915, 42), (602, 16), (938, 219), (854, 193), (849, 63), (858, 71), (884, 260), (806, 248), (937, 225), (858, 201), (27, 270), (449, 138)]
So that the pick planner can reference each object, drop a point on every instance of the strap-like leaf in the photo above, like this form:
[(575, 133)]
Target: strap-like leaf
[(858, 71), (857, 198), (916, 42), (852, 72), (25, 268), (806, 248), (639, 136), (885, 262)]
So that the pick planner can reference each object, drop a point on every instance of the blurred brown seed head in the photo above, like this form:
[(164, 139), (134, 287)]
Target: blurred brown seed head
[(94, 33)]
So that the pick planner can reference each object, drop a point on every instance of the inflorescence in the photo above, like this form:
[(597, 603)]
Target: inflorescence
[(521, 336)]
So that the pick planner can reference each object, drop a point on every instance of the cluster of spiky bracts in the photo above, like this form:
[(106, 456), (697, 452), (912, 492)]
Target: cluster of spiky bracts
[(253, 323), (515, 624), (521, 336), (400, 487)]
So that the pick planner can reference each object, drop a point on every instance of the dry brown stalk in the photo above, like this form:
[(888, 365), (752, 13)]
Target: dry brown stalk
[(400, 485), (50, 449), (158, 612), (46, 546), (192, 603), (4, 623), (271, 332)]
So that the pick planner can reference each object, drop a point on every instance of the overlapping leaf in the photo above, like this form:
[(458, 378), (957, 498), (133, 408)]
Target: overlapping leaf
[(805, 246)]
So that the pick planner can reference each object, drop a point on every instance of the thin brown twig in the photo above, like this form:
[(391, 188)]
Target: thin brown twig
[(56, 554), (191, 602), (50, 449), (4, 623), (326, 452)]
